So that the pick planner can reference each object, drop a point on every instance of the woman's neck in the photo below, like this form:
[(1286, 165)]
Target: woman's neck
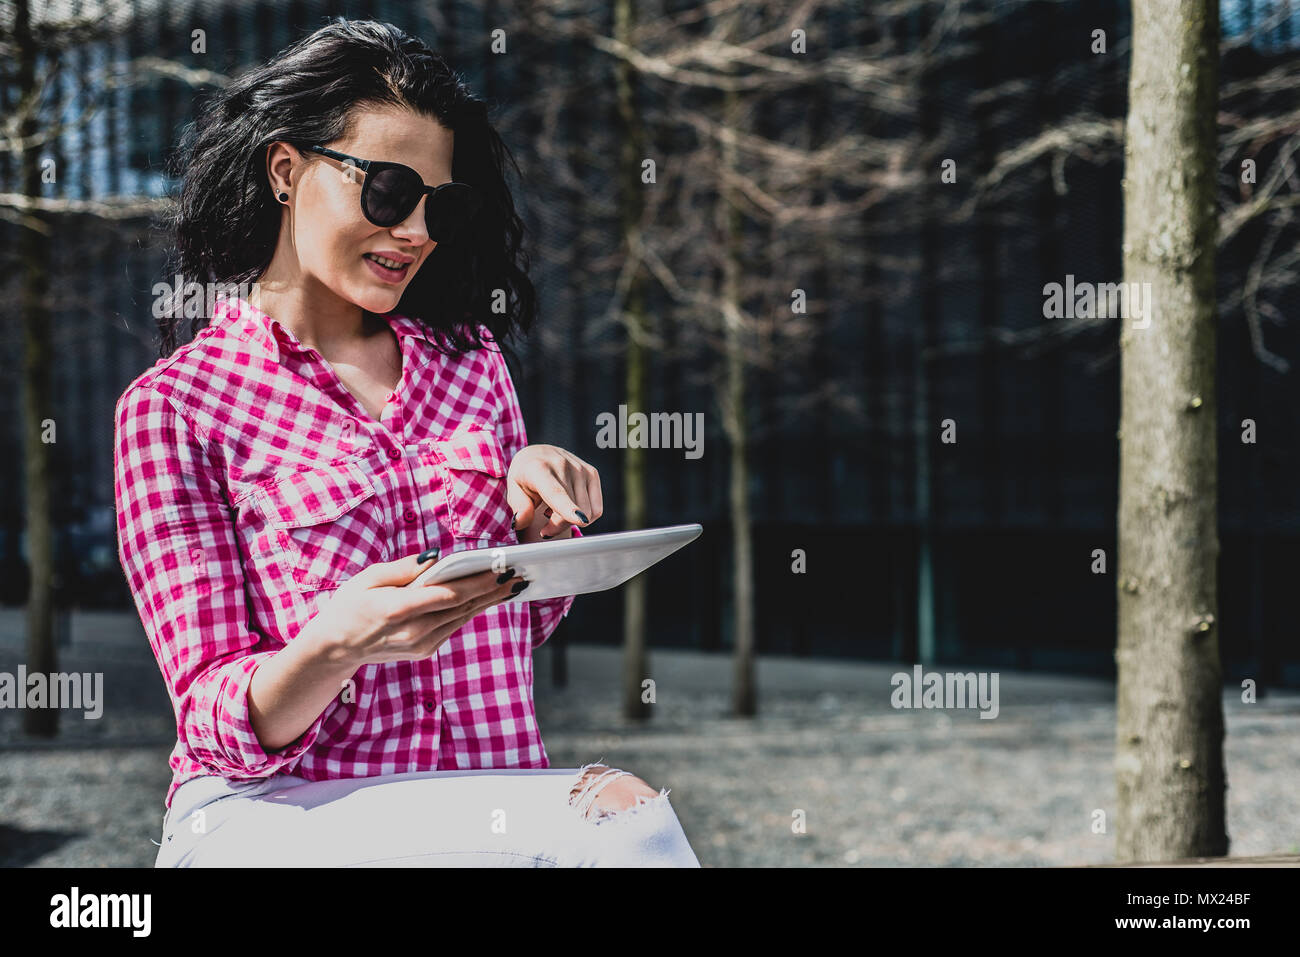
[(316, 316)]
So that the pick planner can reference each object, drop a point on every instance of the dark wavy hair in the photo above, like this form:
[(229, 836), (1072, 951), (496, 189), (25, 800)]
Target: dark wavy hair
[(226, 222)]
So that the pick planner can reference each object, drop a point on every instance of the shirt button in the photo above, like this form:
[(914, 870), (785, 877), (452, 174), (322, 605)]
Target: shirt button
[(390, 397), (394, 454), (429, 706), (409, 515)]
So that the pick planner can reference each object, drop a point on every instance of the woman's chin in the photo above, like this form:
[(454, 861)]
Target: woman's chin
[(378, 301)]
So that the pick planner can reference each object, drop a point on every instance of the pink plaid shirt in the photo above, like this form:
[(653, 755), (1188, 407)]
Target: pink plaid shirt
[(250, 482)]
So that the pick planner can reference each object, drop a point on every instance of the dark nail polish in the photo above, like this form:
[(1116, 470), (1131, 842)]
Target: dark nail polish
[(584, 518), (505, 576), (514, 520), (425, 556), (546, 536), (519, 587)]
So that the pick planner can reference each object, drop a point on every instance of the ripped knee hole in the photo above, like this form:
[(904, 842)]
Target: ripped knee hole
[(593, 784)]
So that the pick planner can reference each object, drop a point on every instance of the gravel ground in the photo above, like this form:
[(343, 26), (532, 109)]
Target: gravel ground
[(875, 785)]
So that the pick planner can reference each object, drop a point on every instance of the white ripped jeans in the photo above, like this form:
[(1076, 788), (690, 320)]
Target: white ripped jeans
[(479, 818)]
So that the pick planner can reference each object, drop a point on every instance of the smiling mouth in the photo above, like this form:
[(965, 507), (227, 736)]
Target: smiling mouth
[(386, 269)]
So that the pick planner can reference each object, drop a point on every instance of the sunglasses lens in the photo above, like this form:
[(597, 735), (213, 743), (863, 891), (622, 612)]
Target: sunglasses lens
[(393, 193), (447, 212)]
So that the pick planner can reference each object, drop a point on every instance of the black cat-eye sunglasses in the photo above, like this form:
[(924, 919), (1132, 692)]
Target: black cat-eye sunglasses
[(391, 191)]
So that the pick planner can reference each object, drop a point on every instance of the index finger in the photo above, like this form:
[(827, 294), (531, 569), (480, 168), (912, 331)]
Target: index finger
[(562, 505)]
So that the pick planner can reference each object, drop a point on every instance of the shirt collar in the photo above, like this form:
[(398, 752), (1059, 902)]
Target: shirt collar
[(405, 326), (273, 338)]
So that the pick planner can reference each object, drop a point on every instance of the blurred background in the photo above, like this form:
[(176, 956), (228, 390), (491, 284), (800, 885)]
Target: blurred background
[(827, 227)]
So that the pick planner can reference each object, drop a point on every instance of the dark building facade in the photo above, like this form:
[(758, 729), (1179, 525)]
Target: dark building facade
[(999, 529)]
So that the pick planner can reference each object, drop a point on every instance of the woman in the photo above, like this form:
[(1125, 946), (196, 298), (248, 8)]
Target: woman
[(281, 479)]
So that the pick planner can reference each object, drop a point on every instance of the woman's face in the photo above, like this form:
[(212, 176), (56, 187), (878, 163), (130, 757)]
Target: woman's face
[(333, 243)]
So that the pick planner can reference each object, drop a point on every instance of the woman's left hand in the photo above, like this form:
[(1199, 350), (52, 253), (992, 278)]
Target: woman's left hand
[(550, 490)]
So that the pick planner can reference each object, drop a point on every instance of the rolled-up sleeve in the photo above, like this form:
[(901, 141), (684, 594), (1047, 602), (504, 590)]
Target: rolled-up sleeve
[(178, 548), (545, 614)]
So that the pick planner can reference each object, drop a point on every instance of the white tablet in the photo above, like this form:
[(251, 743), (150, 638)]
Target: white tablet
[(571, 566)]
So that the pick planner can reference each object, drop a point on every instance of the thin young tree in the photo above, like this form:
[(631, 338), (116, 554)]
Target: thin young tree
[(631, 210), (701, 234), (42, 656)]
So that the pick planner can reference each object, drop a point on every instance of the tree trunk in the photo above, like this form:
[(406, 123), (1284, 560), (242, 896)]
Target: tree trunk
[(1169, 749), (635, 663), (745, 689), (41, 653), (926, 424)]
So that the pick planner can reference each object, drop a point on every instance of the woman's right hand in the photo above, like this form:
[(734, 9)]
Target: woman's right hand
[(374, 616)]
